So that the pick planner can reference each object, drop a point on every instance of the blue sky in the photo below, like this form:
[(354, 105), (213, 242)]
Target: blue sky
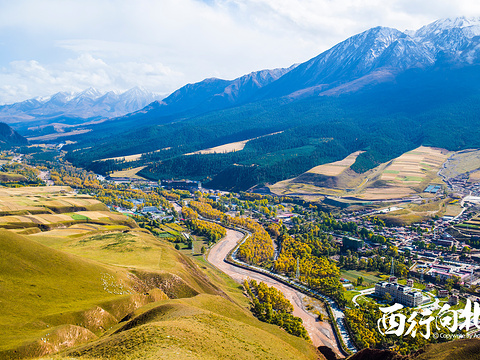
[(62, 45)]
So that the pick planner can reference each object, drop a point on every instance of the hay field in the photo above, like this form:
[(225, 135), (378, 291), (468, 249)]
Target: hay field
[(230, 147), (222, 149), (402, 177), (327, 179), (129, 158), (336, 168), (59, 135), (415, 166), (474, 177), (407, 175), (130, 173)]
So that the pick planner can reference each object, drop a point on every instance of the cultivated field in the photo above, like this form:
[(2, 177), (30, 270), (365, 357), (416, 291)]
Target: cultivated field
[(402, 177), (408, 174), (226, 148), (129, 158), (328, 179), (59, 135), (474, 177), (56, 211)]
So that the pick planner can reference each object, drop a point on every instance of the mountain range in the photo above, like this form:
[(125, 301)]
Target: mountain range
[(371, 57), (90, 103), (65, 110), (358, 95)]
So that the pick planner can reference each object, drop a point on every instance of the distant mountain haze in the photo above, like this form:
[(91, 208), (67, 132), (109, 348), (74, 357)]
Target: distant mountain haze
[(89, 103)]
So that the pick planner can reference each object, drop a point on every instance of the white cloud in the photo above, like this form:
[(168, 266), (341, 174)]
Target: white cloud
[(27, 79), (52, 45)]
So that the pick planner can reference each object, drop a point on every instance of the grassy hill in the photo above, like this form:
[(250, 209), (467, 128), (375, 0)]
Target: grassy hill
[(85, 275), (408, 174), (202, 327), (38, 283), (405, 177)]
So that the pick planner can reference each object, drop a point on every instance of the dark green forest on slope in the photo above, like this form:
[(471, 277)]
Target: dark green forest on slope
[(433, 108)]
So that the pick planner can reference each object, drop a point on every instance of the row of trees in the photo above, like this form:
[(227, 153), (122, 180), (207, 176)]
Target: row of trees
[(257, 249), (315, 270), (211, 231), (205, 209), (270, 305), (377, 263)]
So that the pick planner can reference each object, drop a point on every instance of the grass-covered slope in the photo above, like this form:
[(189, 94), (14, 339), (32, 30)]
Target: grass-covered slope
[(203, 327), (207, 317), (38, 282), (154, 262), (126, 294)]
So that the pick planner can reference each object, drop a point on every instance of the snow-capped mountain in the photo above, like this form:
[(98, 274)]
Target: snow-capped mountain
[(89, 103), (378, 54), (455, 40)]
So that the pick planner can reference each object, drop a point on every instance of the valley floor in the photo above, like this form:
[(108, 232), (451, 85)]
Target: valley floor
[(321, 333)]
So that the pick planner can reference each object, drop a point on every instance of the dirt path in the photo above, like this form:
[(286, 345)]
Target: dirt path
[(321, 333)]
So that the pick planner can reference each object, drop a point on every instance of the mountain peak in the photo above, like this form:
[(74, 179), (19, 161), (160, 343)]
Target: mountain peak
[(469, 26), (90, 93)]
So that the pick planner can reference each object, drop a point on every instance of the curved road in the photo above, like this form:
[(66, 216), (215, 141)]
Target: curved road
[(321, 333)]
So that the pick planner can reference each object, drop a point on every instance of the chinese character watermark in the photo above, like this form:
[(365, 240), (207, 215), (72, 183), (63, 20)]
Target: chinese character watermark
[(393, 322)]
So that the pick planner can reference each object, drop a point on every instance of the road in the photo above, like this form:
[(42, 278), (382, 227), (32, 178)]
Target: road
[(362, 293), (321, 333)]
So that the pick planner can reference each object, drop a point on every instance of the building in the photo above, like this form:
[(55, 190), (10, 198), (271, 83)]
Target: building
[(453, 300), (442, 293), (444, 242), (182, 185), (352, 243), (404, 295), (348, 286), (150, 209), (410, 282)]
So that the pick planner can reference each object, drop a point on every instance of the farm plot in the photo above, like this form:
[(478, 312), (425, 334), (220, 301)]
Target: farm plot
[(56, 211), (407, 175)]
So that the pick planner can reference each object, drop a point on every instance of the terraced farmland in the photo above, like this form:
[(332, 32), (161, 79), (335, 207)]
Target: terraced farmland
[(404, 176)]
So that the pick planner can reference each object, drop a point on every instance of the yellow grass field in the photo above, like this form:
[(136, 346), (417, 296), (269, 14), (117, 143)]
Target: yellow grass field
[(462, 162), (474, 177), (55, 210), (59, 135), (130, 158), (130, 173), (413, 167), (308, 185), (227, 148), (336, 168)]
